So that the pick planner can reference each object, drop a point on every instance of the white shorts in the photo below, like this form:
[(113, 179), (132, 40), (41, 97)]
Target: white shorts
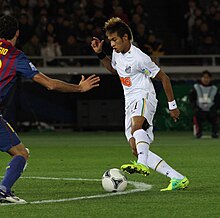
[(145, 107)]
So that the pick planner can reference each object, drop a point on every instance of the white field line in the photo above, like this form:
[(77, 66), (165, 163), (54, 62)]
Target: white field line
[(54, 178), (138, 187)]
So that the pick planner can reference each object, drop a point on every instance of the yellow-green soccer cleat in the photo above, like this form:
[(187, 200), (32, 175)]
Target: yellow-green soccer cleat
[(177, 184), (135, 167)]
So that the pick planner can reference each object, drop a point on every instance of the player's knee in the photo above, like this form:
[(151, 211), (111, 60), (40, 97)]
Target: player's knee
[(135, 128), (24, 153), (145, 125), (138, 126), (140, 135), (144, 135)]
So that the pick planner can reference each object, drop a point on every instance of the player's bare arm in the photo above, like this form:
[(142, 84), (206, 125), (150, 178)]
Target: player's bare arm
[(174, 113), (97, 47), (58, 85)]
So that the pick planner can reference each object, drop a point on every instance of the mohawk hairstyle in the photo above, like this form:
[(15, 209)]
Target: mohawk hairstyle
[(8, 27), (117, 25)]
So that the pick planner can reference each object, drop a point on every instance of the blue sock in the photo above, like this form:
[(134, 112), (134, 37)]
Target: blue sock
[(13, 172)]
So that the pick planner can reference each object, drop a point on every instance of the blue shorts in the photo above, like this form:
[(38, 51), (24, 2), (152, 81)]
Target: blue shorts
[(8, 137)]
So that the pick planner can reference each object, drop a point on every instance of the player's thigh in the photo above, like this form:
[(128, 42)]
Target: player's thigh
[(137, 123), (8, 137), (9, 140), (133, 118), (142, 113), (138, 115)]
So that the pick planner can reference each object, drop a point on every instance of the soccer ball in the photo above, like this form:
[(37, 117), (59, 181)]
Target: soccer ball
[(114, 180)]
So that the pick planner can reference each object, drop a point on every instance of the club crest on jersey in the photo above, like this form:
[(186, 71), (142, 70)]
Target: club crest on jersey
[(32, 67), (128, 69)]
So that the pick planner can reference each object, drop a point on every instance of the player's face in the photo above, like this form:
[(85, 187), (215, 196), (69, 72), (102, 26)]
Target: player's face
[(119, 44), (206, 79)]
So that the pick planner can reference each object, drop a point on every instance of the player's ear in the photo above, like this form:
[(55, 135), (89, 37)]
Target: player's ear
[(125, 37)]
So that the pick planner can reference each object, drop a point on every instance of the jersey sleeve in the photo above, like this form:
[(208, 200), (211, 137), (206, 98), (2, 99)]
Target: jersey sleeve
[(25, 68), (148, 67)]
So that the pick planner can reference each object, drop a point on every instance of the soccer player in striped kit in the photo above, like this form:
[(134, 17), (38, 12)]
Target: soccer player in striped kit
[(135, 70), (14, 63)]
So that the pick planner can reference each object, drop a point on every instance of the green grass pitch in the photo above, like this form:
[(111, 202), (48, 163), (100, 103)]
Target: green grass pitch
[(88, 155)]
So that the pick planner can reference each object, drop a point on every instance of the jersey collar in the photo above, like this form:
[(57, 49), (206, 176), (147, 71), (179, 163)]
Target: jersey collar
[(129, 51), (5, 41)]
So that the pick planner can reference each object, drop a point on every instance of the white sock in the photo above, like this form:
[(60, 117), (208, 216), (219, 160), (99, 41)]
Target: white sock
[(158, 164), (142, 145)]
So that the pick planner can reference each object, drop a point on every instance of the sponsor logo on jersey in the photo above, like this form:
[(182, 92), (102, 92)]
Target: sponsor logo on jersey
[(0, 63), (32, 67), (146, 71), (126, 81)]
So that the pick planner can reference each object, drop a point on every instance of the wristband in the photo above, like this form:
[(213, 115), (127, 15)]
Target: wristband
[(172, 105), (101, 55)]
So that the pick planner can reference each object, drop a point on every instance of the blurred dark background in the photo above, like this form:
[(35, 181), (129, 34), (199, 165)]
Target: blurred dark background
[(179, 26), (53, 33)]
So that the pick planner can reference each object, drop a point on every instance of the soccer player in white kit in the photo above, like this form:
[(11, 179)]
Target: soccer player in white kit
[(136, 70)]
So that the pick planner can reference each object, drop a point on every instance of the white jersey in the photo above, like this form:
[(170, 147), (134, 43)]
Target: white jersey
[(135, 69)]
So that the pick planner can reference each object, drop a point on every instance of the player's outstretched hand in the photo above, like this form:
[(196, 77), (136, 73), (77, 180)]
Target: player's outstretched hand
[(175, 114), (97, 45), (89, 83)]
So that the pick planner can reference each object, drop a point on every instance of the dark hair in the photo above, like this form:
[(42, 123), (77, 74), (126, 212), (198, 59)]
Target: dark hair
[(206, 72), (8, 27), (116, 25)]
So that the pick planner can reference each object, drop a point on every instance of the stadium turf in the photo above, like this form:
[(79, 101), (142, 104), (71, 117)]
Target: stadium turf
[(61, 177)]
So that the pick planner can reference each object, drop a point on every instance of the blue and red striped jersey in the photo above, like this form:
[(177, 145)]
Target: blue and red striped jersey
[(13, 63)]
